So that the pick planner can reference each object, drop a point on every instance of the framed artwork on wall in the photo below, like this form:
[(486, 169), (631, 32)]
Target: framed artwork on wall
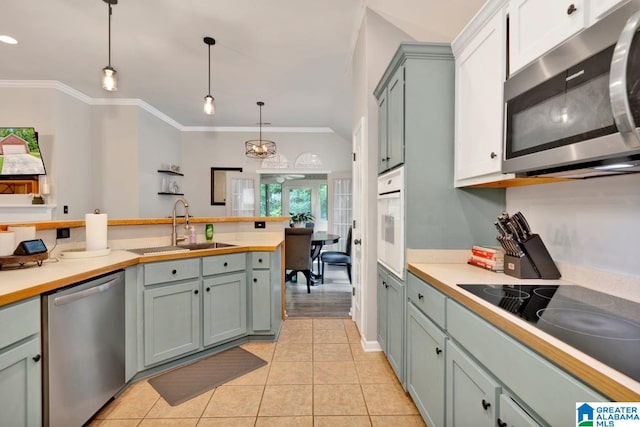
[(219, 185)]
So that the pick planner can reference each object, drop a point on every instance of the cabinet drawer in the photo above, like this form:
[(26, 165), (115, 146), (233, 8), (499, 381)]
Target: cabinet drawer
[(524, 372), (169, 271), (428, 300), (260, 260), (223, 264), (19, 320)]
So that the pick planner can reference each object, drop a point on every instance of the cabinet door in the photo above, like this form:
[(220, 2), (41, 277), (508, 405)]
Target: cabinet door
[(600, 8), (261, 300), (425, 366), (480, 73), (171, 321), (225, 307), (512, 415), (382, 309), (383, 136), (20, 385), (537, 26), (395, 114), (395, 326), (471, 393)]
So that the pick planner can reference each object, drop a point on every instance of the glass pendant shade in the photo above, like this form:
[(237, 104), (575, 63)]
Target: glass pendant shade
[(109, 79), (209, 106)]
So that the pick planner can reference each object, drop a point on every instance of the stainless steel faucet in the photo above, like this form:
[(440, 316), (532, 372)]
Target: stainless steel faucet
[(174, 237)]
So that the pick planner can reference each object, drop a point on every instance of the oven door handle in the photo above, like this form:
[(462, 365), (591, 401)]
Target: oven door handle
[(618, 83), (66, 299), (390, 195)]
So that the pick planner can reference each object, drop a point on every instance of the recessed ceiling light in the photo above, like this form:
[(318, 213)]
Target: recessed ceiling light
[(8, 40)]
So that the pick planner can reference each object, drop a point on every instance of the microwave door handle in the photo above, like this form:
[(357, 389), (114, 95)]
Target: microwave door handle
[(618, 83)]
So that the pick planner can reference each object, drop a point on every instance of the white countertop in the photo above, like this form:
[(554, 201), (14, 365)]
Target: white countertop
[(445, 277)]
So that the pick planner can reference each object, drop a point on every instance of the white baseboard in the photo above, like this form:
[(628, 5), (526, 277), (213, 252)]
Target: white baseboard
[(370, 345)]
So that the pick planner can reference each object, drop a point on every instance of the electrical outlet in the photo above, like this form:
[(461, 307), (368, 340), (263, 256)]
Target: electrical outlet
[(63, 233), (259, 224), (65, 209)]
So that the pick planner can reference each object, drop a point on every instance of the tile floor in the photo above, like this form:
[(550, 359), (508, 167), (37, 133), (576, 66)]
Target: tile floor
[(318, 375)]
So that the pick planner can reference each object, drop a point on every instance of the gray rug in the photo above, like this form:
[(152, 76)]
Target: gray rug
[(181, 384)]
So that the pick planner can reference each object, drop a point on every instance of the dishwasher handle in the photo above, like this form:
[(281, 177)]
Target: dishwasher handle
[(103, 287)]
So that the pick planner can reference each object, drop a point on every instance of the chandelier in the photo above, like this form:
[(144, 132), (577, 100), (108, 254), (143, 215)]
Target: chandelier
[(260, 148)]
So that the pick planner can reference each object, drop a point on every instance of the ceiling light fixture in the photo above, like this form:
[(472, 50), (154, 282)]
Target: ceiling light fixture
[(260, 148), (109, 74), (8, 39), (209, 106)]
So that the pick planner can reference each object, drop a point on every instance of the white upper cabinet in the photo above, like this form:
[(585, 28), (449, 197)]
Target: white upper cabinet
[(599, 8), (480, 74), (536, 26)]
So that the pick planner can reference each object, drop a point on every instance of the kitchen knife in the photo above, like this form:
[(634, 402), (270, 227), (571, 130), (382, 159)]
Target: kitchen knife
[(520, 233), (513, 230), (523, 223), (500, 228)]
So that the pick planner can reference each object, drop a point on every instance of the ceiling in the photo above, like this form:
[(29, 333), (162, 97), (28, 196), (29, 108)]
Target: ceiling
[(295, 55)]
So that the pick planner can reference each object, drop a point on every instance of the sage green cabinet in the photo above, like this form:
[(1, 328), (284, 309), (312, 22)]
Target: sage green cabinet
[(391, 123), (426, 348), (20, 366), (224, 313), (512, 415), (470, 392), (391, 302), (262, 291), (171, 321)]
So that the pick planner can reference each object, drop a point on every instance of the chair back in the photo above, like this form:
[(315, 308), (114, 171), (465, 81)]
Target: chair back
[(347, 249), (297, 250)]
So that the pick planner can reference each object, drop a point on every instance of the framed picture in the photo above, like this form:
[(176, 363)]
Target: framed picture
[(219, 184)]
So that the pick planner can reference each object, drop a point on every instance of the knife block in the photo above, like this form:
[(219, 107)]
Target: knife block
[(535, 264)]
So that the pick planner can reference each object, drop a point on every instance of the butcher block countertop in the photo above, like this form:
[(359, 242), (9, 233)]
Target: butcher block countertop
[(599, 376), (20, 283)]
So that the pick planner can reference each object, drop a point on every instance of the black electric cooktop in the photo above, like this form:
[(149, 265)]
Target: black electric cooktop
[(603, 326)]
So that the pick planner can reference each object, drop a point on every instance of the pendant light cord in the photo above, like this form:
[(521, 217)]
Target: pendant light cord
[(261, 125), (109, 35), (209, 70)]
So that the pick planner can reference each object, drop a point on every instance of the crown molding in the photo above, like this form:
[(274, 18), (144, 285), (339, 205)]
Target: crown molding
[(54, 84)]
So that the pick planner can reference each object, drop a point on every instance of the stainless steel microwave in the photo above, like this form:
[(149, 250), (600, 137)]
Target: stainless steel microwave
[(575, 111)]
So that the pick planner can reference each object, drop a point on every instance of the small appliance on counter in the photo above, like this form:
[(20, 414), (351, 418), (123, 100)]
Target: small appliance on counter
[(27, 251), (526, 255)]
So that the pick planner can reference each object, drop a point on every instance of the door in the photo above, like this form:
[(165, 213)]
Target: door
[(381, 312), (339, 207), (357, 171), (225, 307), (20, 391), (243, 194), (395, 123), (382, 132), (395, 325)]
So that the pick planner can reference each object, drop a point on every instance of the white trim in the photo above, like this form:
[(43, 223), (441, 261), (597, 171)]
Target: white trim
[(53, 84), (285, 171), (255, 129), (370, 345)]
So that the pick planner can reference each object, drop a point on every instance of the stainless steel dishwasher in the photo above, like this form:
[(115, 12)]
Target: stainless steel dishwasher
[(84, 349)]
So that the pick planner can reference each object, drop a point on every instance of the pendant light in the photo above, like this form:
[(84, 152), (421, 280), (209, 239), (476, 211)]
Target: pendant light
[(109, 74), (260, 148), (209, 106)]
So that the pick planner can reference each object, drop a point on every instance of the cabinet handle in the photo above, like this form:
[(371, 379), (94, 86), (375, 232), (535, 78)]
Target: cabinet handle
[(174, 271), (485, 404), (572, 8), (357, 241), (226, 264), (36, 358), (438, 350), (501, 423), (260, 260), (195, 292), (420, 296), (208, 289), (388, 158), (493, 155), (385, 284), (255, 280)]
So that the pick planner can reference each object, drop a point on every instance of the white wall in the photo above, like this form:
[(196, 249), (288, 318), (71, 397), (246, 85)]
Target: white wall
[(377, 42), (593, 223), (203, 150)]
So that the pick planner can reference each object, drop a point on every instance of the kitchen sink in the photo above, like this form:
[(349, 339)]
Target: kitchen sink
[(179, 248)]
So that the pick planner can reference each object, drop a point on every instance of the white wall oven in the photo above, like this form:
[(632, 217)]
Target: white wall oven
[(391, 221)]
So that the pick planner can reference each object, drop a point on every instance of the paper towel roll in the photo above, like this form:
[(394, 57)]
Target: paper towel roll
[(23, 233), (96, 231), (7, 243)]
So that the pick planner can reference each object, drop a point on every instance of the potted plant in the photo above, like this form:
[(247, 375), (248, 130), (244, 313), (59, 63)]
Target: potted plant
[(300, 219)]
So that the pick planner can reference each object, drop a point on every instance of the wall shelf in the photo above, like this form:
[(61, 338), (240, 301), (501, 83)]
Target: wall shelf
[(170, 172)]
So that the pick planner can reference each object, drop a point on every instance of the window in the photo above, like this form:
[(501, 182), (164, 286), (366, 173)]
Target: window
[(271, 199), (324, 202)]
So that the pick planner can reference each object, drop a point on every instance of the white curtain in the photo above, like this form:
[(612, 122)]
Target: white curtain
[(242, 197), (341, 212)]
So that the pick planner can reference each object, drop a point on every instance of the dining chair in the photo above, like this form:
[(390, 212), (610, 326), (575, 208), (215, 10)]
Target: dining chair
[(297, 252), (338, 258)]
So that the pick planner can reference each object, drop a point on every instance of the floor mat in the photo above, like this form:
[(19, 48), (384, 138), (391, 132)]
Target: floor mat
[(181, 384)]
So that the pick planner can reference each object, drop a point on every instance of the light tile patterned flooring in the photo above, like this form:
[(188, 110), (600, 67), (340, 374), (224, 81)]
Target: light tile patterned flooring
[(318, 375)]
